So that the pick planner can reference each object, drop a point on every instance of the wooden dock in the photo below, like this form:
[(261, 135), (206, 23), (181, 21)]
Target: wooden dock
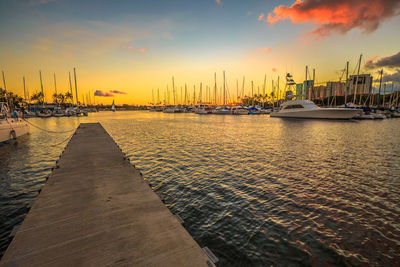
[(96, 210)]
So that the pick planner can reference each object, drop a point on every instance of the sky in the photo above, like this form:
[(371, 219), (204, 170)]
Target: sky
[(127, 49)]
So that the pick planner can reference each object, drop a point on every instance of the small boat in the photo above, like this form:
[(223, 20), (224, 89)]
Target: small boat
[(239, 111), (306, 109), (222, 111), (396, 114), (11, 128), (265, 111), (379, 116), (169, 110), (365, 116), (44, 114), (203, 110), (58, 112)]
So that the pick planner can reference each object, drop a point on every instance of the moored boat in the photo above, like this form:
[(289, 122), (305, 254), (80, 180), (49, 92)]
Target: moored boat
[(306, 109), (11, 128)]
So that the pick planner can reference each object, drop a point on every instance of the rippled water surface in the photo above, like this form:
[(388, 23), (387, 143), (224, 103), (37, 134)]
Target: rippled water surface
[(256, 190)]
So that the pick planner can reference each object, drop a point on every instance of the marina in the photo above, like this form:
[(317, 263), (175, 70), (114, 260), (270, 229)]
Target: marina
[(200, 133)]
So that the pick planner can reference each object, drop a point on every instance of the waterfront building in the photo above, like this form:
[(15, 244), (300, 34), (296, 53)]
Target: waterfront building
[(364, 84)]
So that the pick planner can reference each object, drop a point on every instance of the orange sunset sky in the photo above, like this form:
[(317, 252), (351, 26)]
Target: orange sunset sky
[(135, 47)]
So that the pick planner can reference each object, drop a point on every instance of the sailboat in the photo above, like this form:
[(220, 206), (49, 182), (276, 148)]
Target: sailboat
[(113, 107), (11, 128)]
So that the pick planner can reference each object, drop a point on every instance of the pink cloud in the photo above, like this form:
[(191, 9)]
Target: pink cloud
[(101, 93), (261, 17), (118, 92), (265, 49), (142, 50), (370, 60), (218, 2), (337, 16)]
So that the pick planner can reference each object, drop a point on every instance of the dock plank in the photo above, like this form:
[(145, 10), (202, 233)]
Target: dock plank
[(97, 210)]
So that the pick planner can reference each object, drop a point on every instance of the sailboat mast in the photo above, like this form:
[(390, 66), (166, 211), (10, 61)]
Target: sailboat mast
[(173, 89), (358, 73), (313, 84), (186, 95), (4, 80), (347, 83), (41, 86), (252, 93), (273, 93), (380, 86), (215, 88), (76, 88), (243, 87), (265, 80), (201, 93), (279, 91), (224, 88), (194, 95), (23, 80), (237, 90), (70, 87), (384, 95)]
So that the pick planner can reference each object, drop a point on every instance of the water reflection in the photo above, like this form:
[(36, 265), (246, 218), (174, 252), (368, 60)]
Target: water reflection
[(254, 189)]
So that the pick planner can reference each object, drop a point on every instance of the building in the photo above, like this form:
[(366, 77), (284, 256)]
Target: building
[(336, 88), (307, 87), (360, 85)]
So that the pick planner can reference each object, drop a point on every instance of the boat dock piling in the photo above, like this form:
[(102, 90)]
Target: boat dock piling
[(96, 210)]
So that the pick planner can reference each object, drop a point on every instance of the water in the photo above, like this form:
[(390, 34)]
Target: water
[(256, 190)]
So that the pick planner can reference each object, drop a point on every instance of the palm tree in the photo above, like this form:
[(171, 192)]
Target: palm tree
[(69, 97), (38, 98), (13, 100)]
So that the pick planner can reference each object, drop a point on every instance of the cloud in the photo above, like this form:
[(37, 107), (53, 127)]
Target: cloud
[(370, 60), (117, 92), (260, 18), (394, 77), (128, 47), (385, 62), (101, 93), (218, 2), (43, 44), (337, 16), (273, 69), (133, 49), (265, 49)]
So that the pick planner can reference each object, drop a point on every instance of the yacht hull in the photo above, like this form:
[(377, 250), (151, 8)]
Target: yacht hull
[(321, 113), (12, 129)]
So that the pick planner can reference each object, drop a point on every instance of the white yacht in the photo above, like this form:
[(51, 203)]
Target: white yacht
[(11, 128), (306, 109)]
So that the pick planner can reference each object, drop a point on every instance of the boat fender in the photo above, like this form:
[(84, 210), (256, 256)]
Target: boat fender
[(13, 135)]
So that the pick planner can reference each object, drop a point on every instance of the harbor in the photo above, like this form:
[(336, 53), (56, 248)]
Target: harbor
[(200, 133)]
